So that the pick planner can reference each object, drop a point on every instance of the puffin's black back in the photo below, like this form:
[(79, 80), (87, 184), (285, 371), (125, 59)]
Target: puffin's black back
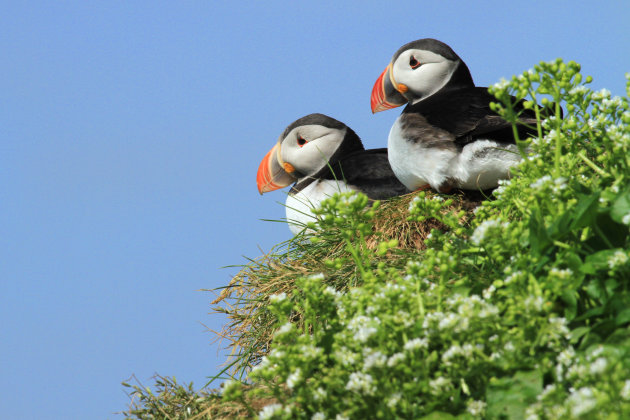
[(467, 115), (367, 170)]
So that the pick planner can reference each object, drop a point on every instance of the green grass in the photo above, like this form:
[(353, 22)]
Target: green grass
[(431, 306)]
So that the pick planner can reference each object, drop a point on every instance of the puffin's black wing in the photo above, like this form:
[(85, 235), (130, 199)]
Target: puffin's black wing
[(466, 114), (370, 172)]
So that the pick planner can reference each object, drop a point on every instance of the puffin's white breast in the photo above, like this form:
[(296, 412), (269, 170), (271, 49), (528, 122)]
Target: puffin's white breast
[(414, 164), (299, 205)]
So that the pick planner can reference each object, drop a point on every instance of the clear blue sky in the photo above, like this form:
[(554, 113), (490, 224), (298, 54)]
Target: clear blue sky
[(130, 136)]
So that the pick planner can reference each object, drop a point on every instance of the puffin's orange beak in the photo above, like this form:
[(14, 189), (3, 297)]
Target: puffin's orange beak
[(272, 174), (384, 94)]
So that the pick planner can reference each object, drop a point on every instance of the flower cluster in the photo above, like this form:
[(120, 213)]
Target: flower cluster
[(523, 309)]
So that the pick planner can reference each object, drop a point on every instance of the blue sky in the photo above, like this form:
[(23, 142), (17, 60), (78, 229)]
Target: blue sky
[(130, 136)]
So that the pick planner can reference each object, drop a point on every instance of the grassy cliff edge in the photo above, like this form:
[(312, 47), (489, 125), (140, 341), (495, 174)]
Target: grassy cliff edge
[(433, 306)]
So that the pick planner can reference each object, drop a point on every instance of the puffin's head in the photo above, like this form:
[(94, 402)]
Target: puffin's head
[(307, 146), (418, 70)]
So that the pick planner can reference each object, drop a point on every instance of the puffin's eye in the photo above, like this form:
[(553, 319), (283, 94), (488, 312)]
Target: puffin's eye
[(301, 141), (413, 63)]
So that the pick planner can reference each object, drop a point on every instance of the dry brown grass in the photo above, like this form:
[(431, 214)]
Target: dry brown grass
[(249, 329)]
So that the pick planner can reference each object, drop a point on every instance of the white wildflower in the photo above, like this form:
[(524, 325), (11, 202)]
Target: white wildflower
[(318, 416), (559, 184), (294, 378), (283, 329), (514, 276), (227, 386), (310, 351), (487, 310), (412, 204), (329, 290), (318, 276), (549, 121), (404, 317), (395, 358), (598, 366), (612, 103), (578, 90), (534, 303), (480, 232), (276, 354), (487, 293), (598, 351), (602, 94), (617, 259), (551, 388), (449, 321), (346, 356), (373, 358), (540, 182), (453, 351), (476, 408), (319, 394), (363, 333), (279, 297), (340, 417), (361, 327), (576, 371), (361, 382), (561, 274), (530, 414), (393, 400), (551, 136), (439, 384), (559, 326), (432, 318), (416, 343), (264, 363), (269, 410), (582, 401), (501, 84)]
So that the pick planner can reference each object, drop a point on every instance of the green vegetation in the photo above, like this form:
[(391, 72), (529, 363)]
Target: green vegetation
[(422, 307)]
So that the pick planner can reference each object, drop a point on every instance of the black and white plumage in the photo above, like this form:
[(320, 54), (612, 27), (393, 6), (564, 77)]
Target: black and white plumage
[(323, 156), (447, 136)]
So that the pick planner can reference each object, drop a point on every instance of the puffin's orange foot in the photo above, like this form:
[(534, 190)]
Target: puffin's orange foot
[(423, 188)]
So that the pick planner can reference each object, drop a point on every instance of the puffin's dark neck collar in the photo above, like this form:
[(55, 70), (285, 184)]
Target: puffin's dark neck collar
[(460, 79)]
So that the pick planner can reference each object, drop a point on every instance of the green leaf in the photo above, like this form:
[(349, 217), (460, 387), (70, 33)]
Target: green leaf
[(578, 333), (590, 313), (509, 397), (621, 206), (569, 297), (538, 236), (623, 317), (614, 235), (438, 415), (598, 261), (585, 211)]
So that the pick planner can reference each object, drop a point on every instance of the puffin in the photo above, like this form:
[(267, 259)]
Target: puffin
[(321, 156), (447, 136)]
